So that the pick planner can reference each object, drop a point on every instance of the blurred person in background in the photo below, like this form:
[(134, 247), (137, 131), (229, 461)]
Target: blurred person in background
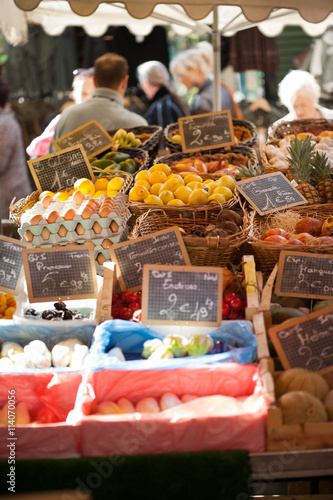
[(165, 106), (106, 105), (193, 68), (14, 176), (83, 87), (299, 91)]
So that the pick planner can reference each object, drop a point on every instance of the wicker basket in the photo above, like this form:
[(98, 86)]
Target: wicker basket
[(264, 160), (210, 253), (150, 137), (315, 126), (267, 253), (16, 209), (239, 126)]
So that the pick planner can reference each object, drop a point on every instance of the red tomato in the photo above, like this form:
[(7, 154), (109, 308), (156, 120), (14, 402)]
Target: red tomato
[(129, 296), (225, 310), (134, 306), (115, 310), (126, 313), (233, 315), (236, 304), (228, 298), (115, 298)]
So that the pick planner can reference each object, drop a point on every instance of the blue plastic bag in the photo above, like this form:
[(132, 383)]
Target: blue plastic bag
[(130, 336)]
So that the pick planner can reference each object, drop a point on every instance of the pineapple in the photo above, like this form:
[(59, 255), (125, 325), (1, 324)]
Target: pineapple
[(249, 171), (321, 174), (300, 151)]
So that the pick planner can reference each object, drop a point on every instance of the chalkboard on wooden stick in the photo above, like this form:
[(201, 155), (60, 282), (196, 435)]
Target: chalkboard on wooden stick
[(60, 273), (162, 247), (206, 131), (11, 264), (270, 192), (93, 137), (59, 171), (306, 342), (303, 274), (182, 295)]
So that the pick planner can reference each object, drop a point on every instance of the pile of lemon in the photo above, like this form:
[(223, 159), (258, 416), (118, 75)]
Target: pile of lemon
[(159, 186), (96, 189)]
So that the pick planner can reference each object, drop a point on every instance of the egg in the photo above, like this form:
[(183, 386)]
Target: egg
[(97, 228), (35, 219), (52, 217), (62, 231), (106, 243), (46, 200), (80, 229), (45, 234), (69, 214), (114, 226), (78, 197), (104, 211), (28, 235), (101, 259), (86, 213)]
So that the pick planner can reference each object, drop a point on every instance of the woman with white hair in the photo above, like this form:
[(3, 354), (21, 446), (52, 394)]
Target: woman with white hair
[(165, 106), (193, 68), (300, 93)]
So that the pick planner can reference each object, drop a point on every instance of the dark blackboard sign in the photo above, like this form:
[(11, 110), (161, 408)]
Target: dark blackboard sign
[(59, 171), (303, 274), (11, 265), (162, 247), (206, 131), (306, 342), (93, 137), (182, 295), (270, 192), (60, 273)]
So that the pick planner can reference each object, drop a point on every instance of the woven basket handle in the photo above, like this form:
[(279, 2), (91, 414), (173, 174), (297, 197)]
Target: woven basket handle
[(209, 241)]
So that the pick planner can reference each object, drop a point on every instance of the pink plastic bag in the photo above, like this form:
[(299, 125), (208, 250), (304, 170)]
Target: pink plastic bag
[(230, 415)]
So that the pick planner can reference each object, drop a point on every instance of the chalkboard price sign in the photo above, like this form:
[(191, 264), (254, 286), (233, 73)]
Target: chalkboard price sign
[(182, 295), (206, 131), (93, 137), (163, 247), (11, 265), (270, 192), (59, 171), (60, 273), (306, 342), (303, 274)]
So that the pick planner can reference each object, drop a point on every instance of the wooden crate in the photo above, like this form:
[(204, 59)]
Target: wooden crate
[(282, 437)]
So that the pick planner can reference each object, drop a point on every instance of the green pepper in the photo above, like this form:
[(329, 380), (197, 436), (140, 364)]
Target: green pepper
[(102, 163), (129, 167), (116, 156)]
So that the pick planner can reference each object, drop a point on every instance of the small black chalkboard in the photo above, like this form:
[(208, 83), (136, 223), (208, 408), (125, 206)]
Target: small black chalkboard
[(93, 137), (306, 342), (182, 295), (270, 192), (206, 131), (59, 171), (60, 273), (11, 265), (303, 274), (162, 247)]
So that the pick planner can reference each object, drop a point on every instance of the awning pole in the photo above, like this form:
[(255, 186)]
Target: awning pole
[(216, 42)]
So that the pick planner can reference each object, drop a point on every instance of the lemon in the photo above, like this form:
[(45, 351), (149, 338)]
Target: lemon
[(166, 196), (157, 176), (61, 196), (142, 182), (152, 199), (207, 188), (86, 186), (101, 184), (172, 184), (216, 198), (176, 202), (138, 193), (111, 193), (210, 183), (45, 193), (227, 181), (198, 197), (176, 176), (226, 192), (100, 192), (115, 184), (143, 175), (161, 167), (156, 188), (192, 178), (194, 185), (183, 193)]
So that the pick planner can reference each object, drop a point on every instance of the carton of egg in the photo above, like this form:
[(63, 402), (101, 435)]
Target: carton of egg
[(51, 221)]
